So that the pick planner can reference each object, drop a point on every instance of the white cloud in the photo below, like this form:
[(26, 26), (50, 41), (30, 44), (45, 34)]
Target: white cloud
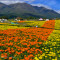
[(11, 2), (15, 1), (58, 11), (41, 5)]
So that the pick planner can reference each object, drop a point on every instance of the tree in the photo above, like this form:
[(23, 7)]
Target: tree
[(3, 17), (19, 18), (31, 17)]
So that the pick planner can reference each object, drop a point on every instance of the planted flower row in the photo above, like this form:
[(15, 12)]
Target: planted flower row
[(51, 51), (24, 44)]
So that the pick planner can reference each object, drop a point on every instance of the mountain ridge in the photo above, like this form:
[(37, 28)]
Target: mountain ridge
[(26, 10)]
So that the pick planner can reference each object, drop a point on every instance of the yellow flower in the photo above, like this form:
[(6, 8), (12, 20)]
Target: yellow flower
[(56, 58), (36, 58), (50, 48), (59, 55), (57, 51), (47, 49), (46, 52), (43, 54), (52, 54), (46, 42), (40, 57), (54, 47), (38, 54), (50, 57), (42, 48)]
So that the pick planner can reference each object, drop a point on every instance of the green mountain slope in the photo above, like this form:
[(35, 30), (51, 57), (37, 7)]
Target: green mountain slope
[(26, 10)]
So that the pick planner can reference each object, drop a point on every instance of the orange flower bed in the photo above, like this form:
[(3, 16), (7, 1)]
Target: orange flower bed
[(20, 21), (24, 43)]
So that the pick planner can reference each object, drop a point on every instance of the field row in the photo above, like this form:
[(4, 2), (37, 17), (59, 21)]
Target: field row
[(24, 44), (20, 25), (51, 51)]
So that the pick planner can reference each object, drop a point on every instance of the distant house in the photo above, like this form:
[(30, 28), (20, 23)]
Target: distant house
[(3, 20), (0, 19), (18, 19), (47, 19), (41, 19)]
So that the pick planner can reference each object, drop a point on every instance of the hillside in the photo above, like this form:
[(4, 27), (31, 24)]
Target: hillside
[(26, 10)]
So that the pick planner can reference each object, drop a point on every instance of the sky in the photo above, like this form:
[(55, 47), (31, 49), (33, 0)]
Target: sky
[(50, 4)]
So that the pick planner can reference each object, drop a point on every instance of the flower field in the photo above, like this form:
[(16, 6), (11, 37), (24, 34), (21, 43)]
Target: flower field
[(42, 43), (51, 51), (23, 24)]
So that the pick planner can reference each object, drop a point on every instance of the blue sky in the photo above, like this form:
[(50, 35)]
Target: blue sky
[(52, 4)]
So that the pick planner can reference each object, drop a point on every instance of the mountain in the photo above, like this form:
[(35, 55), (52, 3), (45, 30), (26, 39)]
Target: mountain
[(26, 10)]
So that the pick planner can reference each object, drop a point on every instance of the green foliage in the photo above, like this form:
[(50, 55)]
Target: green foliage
[(3, 17), (57, 24), (25, 24), (31, 18)]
